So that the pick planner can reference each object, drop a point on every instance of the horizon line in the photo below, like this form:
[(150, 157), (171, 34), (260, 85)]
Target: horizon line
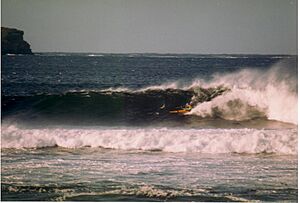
[(164, 53)]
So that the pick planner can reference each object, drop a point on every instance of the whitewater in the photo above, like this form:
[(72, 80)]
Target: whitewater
[(250, 141), (273, 92)]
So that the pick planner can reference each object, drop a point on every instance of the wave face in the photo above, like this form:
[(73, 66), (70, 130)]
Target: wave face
[(106, 106), (92, 106), (254, 141)]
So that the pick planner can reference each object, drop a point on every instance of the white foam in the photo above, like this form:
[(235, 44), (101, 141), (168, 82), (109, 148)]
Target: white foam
[(115, 89), (253, 93), (169, 85), (282, 141), (95, 55)]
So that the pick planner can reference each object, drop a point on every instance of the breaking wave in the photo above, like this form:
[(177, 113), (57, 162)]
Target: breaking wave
[(281, 141), (254, 93), (239, 96), (244, 95)]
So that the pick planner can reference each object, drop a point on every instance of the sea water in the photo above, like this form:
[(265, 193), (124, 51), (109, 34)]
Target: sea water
[(98, 127)]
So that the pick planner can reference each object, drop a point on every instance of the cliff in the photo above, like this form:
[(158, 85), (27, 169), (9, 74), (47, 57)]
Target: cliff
[(12, 42)]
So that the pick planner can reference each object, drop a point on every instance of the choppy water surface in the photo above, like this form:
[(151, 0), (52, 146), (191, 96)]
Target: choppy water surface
[(93, 174)]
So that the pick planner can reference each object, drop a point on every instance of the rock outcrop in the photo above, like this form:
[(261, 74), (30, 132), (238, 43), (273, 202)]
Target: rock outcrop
[(12, 42)]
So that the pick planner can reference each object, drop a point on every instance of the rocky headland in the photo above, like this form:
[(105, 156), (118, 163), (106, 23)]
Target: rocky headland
[(12, 42)]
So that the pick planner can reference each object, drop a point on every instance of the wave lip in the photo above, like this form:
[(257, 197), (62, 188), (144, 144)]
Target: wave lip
[(252, 141)]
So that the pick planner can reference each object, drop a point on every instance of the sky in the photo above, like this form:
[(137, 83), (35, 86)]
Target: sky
[(156, 26)]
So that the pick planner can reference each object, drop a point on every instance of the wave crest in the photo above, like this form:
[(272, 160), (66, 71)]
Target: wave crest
[(254, 93)]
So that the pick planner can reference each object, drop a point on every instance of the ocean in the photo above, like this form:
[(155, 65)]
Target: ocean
[(106, 127)]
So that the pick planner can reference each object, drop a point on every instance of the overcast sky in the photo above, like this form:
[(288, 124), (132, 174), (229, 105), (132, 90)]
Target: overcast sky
[(161, 26)]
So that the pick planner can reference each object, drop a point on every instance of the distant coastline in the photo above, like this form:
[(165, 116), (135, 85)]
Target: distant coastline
[(12, 42)]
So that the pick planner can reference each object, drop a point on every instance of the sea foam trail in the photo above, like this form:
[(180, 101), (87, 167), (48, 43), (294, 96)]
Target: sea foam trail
[(283, 141)]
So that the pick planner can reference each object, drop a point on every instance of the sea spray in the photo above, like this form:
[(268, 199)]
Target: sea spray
[(253, 93)]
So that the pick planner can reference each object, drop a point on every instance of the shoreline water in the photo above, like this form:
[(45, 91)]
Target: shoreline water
[(95, 174)]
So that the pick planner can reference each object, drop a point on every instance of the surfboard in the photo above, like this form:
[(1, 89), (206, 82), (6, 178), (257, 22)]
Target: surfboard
[(186, 109), (180, 111)]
